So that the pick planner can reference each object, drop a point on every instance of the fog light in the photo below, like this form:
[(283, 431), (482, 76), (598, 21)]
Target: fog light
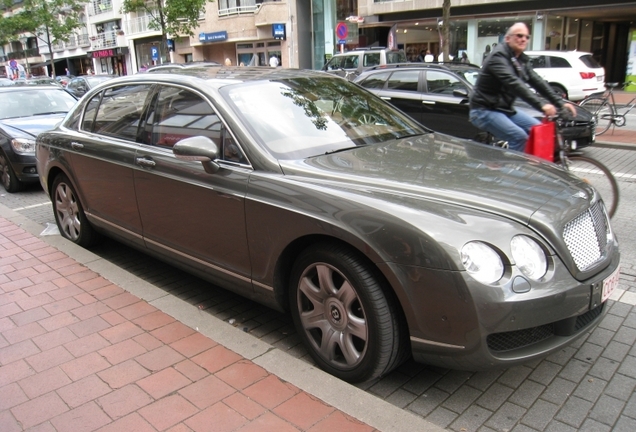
[(30, 170)]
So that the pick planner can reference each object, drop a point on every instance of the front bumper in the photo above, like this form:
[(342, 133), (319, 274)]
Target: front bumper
[(458, 323), (24, 167)]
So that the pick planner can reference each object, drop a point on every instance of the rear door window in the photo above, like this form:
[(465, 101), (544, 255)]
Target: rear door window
[(375, 81), (538, 62), (406, 80), (559, 62), (371, 59)]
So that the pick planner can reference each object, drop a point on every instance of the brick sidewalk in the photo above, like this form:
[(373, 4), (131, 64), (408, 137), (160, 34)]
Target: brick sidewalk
[(79, 353)]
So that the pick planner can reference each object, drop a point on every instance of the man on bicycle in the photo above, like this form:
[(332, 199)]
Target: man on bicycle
[(505, 76)]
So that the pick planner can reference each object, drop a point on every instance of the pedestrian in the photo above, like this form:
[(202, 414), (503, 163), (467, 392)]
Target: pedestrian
[(429, 58), (485, 54), (464, 58), (421, 57), (273, 61), (228, 62), (68, 73), (504, 77)]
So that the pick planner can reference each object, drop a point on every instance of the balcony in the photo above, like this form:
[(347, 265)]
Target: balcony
[(137, 25), (104, 40), (31, 52), (97, 7)]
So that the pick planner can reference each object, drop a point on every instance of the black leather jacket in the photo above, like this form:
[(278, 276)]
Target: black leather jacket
[(504, 77)]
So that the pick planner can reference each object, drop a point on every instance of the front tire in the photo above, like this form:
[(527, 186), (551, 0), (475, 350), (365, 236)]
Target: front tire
[(602, 112), (7, 175), (349, 324), (69, 214)]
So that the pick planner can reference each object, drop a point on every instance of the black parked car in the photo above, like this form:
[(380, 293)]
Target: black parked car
[(80, 85), (25, 112), (305, 192), (436, 95)]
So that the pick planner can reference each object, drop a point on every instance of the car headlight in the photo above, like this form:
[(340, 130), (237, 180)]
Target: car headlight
[(529, 257), (23, 145), (482, 262)]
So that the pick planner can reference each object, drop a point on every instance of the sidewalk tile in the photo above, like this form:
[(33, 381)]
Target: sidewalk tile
[(168, 411), (44, 382), (15, 371), (220, 415), (242, 374), (164, 382), (12, 395), (133, 422), (192, 345), (271, 391), (39, 410), (54, 338), (244, 405), (84, 366), (80, 392), (49, 358), (124, 401), (206, 391), (172, 332), (17, 352), (303, 410), (87, 417), (269, 422), (123, 374), (122, 351), (338, 421), (216, 358), (160, 358)]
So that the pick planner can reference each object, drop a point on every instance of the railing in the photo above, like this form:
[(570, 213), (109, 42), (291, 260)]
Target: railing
[(72, 42), (104, 40), (137, 25), (97, 7), (83, 40), (240, 10), (57, 46), (31, 52)]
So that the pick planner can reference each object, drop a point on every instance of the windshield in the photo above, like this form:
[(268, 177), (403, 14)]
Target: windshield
[(34, 102), (303, 117)]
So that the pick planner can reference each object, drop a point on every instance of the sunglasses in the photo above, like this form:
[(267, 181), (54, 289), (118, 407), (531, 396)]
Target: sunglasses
[(523, 36)]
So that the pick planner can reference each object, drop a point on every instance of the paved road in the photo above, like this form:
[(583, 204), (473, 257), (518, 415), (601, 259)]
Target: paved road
[(588, 386)]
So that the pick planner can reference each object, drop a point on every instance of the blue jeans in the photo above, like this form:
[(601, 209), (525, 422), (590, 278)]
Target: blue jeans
[(514, 129)]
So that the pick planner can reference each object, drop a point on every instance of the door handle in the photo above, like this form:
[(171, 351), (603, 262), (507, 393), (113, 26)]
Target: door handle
[(145, 162), (76, 146), (428, 102), (385, 97)]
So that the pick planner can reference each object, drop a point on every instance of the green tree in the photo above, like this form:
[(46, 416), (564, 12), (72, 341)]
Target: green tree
[(48, 20), (171, 17)]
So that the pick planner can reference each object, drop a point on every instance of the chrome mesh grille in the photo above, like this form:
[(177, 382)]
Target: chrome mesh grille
[(586, 236)]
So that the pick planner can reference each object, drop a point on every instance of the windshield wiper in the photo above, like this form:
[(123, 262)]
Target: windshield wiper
[(49, 113), (345, 149)]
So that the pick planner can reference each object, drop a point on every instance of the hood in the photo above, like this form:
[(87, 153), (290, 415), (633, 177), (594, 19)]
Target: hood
[(442, 168), (31, 126)]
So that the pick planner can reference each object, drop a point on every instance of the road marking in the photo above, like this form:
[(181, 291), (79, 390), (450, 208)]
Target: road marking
[(32, 206)]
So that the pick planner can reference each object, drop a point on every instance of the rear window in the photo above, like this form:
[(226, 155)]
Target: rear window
[(396, 57), (589, 61)]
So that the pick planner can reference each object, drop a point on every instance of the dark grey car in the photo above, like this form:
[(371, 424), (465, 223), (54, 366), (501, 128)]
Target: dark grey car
[(307, 193)]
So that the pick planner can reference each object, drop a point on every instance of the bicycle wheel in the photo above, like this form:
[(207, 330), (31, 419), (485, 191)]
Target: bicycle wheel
[(602, 111), (598, 175)]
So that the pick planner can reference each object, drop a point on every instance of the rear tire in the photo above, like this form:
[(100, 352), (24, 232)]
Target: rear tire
[(69, 214), (559, 90), (602, 112), (352, 328), (598, 175)]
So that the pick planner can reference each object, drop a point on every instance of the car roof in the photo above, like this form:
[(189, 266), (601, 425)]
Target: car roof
[(416, 65), (575, 54)]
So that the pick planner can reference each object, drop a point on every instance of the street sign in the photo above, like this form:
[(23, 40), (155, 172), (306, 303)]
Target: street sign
[(154, 53), (342, 31)]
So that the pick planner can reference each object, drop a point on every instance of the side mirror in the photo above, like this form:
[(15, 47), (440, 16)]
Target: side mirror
[(198, 148)]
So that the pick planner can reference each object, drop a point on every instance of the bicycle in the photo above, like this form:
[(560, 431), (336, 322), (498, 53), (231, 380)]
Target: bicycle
[(605, 110), (586, 168)]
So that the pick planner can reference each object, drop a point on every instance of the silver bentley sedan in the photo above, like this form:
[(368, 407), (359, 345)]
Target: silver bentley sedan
[(309, 194)]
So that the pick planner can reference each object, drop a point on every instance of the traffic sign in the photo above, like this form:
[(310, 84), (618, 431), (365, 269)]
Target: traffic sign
[(154, 53), (342, 31)]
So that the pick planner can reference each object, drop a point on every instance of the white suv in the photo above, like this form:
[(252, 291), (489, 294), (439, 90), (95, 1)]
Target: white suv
[(362, 59), (573, 74)]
